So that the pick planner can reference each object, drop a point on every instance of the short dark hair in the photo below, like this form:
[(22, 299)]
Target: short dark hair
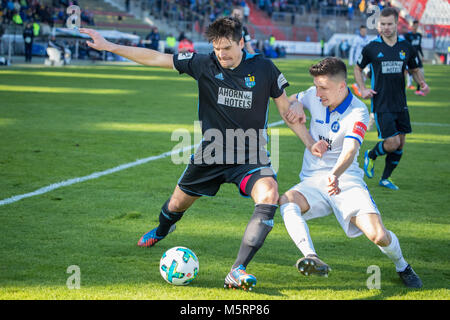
[(362, 27), (226, 27), (390, 11), (415, 21), (330, 66)]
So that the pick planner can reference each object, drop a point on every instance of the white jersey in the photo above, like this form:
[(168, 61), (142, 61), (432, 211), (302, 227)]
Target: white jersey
[(348, 121), (356, 48)]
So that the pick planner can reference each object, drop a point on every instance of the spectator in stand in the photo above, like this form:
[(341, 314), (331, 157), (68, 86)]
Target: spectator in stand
[(181, 36), (28, 37), (246, 12), (351, 11), (170, 44), (155, 39)]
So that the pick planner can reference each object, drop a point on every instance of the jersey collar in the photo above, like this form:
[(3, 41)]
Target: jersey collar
[(342, 107)]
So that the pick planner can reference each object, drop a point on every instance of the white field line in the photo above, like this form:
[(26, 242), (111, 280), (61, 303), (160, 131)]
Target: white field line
[(96, 175), (138, 162)]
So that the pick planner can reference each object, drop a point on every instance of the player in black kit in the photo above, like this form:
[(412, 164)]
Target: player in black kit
[(415, 39), (234, 92), (388, 55)]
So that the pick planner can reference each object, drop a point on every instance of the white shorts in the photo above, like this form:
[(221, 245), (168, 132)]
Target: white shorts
[(353, 200)]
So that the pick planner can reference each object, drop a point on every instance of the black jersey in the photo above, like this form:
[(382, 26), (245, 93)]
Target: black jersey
[(416, 41), (388, 65), (233, 103)]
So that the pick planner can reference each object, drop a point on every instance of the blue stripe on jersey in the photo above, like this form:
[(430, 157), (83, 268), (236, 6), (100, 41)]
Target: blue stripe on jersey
[(378, 39), (250, 55), (354, 138), (372, 84)]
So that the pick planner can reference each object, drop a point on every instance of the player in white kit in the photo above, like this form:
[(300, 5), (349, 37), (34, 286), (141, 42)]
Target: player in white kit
[(331, 180)]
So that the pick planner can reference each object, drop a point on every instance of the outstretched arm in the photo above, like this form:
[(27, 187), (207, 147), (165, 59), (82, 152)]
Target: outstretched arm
[(143, 56), (287, 107)]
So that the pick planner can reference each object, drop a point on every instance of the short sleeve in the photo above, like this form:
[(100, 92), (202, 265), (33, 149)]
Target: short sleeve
[(364, 58), (304, 97), (358, 125), (279, 82), (191, 63)]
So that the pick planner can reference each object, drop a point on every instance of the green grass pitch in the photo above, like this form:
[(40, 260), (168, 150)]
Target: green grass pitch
[(62, 123)]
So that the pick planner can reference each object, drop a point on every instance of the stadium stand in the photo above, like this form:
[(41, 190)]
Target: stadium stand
[(285, 20)]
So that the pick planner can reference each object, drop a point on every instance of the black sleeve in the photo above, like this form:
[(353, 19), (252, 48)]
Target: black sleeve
[(278, 81), (420, 46), (413, 61), (364, 58), (191, 63)]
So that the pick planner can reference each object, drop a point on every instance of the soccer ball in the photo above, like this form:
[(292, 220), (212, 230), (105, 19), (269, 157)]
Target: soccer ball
[(179, 266)]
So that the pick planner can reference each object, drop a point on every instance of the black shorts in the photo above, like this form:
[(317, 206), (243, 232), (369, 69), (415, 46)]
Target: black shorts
[(205, 180), (390, 124)]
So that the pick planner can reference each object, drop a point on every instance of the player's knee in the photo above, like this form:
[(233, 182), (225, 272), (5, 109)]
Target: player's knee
[(176, 205), (293, 196), (392, 144), (284, 199), (267, 193), (379, 237)]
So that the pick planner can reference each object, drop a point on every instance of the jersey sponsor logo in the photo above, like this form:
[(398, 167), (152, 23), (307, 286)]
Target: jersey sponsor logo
[(281, 81), (402, 55), (360, 129), (335, 126), (250, 81), (235, 98), (185, 55), (391, 67), (330, 142)]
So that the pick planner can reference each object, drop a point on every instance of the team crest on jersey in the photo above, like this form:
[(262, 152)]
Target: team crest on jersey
[(335, 126), (250, 81), (402, 55)]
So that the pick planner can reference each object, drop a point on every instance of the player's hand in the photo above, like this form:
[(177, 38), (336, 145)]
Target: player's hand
[(424, 88), (319, 148), (333, 185), (367, 93), (295, 113), (99, 43)]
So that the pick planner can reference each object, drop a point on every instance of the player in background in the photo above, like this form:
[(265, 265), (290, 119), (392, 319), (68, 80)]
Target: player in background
[(331, 180), (388, 55), (359, 42), (234, 91), (415, 39), (238, 13)]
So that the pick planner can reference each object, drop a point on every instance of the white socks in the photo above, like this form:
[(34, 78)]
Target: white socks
[(297, 228), (394, 252)]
